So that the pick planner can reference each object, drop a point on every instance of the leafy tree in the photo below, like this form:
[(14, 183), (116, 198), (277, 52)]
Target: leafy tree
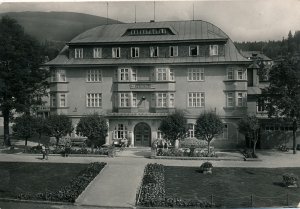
[(22, 81), (283, 93), (24, 127), (174, 126), (249, 126), (208, 125), (94, 127), (40, 126), (58, 126)]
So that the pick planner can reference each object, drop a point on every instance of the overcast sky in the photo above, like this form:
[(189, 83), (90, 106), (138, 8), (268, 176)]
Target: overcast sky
[(242, 20)]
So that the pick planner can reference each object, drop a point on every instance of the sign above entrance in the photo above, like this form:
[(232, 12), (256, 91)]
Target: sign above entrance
[(142, 86)]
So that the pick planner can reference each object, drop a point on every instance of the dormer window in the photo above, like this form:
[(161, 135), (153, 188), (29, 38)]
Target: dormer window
[(154, 51), (134, 52), (213, 50), (194, 50), (78, 53), (97, 52), (173, 51), (149, 31), (116, 52)]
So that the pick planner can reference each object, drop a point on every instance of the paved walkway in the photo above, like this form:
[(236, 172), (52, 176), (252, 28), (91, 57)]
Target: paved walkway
[(117, 184)]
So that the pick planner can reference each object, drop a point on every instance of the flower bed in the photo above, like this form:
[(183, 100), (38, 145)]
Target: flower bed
[(109, 151), (152, 191), (185, 152), (70, 192)]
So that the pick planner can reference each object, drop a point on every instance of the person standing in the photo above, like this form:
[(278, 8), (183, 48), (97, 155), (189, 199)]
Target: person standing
[(44, 151)]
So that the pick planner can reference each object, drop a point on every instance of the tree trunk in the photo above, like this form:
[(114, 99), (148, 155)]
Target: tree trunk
[(254, 142), (92, 146), (6, 127), (254, 146), (25, 149), (208, 144), (294, 136), (57, 141)]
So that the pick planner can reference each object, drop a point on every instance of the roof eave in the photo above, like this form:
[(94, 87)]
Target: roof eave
[(147, 42), (147, 64)]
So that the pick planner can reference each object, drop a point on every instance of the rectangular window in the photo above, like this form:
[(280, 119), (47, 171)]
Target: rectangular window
[(240, 100), (172, 75), (194, 50), (262, 105), (116, 52), (53, 75), (62, 76), (171, 100), (134, 100), (230, 74), (124, 74), (240, 74), (94, 100), (225, 131), (124, 99), (58, 76), (94, 75), (161, 100), (173, 51), (195, 74), (213, 50), (78, 53), (159, 135), (62, 102), (230, 99), (53, 100), (191, 130), (133, 75), (196, 99), (161, 74), (134, 52), (154, 51), (120, 131), (97, 52)]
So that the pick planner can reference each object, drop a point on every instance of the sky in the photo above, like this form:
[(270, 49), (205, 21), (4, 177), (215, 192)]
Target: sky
[(242, 20)]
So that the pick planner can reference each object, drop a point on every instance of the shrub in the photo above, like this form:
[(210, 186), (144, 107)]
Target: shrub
[(70, 192), (289, 179), (249, 154), (206, 165), (192, 142)]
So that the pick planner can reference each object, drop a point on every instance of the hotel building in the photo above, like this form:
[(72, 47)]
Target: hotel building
[(136, 74)]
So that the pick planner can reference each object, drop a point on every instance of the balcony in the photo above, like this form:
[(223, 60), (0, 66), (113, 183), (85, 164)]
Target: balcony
[(149, 86)]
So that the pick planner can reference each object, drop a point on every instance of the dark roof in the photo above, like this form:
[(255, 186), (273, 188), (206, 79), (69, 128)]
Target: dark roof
[(185, 31), (250, 54)]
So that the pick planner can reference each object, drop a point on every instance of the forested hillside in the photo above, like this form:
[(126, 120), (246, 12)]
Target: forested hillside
[(274, 49)]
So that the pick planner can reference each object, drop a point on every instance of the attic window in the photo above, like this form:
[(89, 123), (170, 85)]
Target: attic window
[(149, 31)]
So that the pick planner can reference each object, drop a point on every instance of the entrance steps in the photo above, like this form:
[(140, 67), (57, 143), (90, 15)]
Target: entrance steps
[(141, 152)]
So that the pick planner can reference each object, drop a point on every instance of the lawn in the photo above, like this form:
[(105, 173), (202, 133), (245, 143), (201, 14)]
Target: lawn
[(19, 178), (232, 187)]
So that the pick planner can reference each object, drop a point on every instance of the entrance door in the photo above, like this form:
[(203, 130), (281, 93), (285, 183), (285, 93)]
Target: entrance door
[(142, 135)]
